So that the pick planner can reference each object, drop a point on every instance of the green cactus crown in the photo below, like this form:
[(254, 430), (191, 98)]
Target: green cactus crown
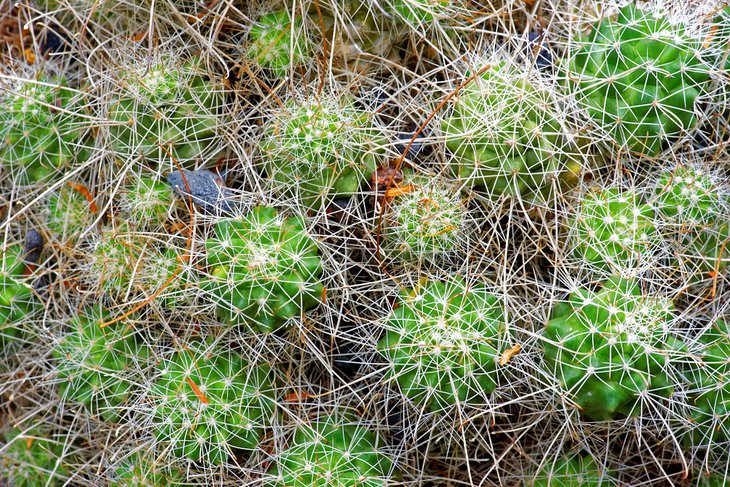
[(611, 350), (572, 470), (320, 149), (264, 269), (32, 459), (278, 42), (443, 343), (17, 302), (639, 77), (137, 470), (507, 136)]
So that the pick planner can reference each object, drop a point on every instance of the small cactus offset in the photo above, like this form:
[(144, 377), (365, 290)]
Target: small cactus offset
[(425, 220), (138, 470), (209, 402), (572, 470), (43, 129), (320, 149), (17, 301), (264, 269), (96, 364), (639, 77), (507, 135), (70, 212), (443, 343), (334, 450), (32, 458), (146, 202), (279, 43), (612, 349), (166, 114), (613, 231)]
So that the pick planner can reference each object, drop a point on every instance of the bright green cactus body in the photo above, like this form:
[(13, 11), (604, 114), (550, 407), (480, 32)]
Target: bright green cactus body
[(146, 202), (572, 471), (639, 78), (709, 388), (611, 349), (278, 43), (165, 111), (17, 302), (426, 221), (506, 136), (415, 12), (695, 214), (95, 364), (265, 269), (42, 129), (140, 471), (334, 451), (69, 213), (320, 149), (32, 459), (208, 401), (613, 231), (443, 344)]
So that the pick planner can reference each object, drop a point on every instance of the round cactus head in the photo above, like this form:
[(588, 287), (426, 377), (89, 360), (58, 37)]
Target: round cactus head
[(16, 297), (42, 129), (264, 269), (278, 43), (317, 150), (32, 458), (694, 212), (146, 202), (506, 135), (639, 77), (208, 401), (138, 470), (166, 113), (333, 450), (443, 343), (572, 470), (611, 350), (425, 220), (70, 212), (709, 388), (96, 364), (612, 232)]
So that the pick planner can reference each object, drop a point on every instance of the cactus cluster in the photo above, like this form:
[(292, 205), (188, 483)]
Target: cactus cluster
[(17, 301)]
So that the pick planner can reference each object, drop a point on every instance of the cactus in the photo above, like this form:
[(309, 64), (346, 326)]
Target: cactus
[(139, 471), (169, 110), (613, 231), (425, 220), (639, 78), (694, 212), (264, 270), (442, 344), (42, 129), (320, 149), (95, 363), (69, 213), (336, 450), (32, 459), (17, 302), (278, 43), (209, 401), (709, 388), (572, 470), (146, 202), (611, 350), (419, 12)]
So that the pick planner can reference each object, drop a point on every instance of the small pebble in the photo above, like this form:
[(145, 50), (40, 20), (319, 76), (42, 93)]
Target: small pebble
[(33, 246), (404, 138), (539, 50), (207, 190)]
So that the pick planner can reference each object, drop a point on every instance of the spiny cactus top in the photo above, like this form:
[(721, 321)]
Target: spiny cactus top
[(32, 459), (639, 77), (572, 471), (69, 212), (694, 211), (426, 219), (146, 202), (709, 387), (96, 365), (265, 269), (16, 295), (209, 401), (611, 349), (277, 43), (415, 12), (443, 343), (506, 134), (320, 149), (613, 231), (332, 451), (42, 129), (166, 107), (138, 470)]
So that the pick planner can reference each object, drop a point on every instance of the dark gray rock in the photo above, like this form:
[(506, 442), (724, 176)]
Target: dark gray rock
[(33, 246), (204, 188)]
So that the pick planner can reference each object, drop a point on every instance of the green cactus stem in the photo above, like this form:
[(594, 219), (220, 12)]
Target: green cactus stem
[(32, 459)]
